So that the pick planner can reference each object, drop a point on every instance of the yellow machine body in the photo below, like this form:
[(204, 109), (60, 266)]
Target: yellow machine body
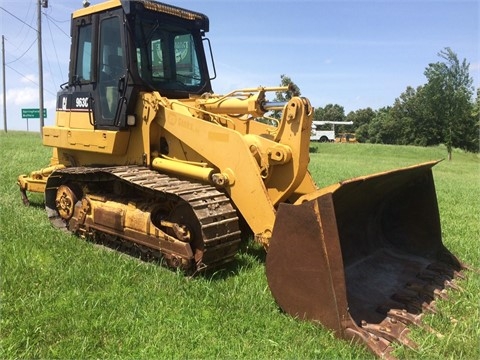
[(144, 152)]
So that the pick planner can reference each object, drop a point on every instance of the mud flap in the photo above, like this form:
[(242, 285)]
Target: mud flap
[(363, 257)]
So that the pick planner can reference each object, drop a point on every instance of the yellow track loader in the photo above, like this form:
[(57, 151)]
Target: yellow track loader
[(145, 154)]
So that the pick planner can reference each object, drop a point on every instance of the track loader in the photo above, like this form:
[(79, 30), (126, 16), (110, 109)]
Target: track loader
[(147, 155)]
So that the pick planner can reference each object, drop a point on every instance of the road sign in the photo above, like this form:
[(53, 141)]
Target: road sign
[(33, 113)]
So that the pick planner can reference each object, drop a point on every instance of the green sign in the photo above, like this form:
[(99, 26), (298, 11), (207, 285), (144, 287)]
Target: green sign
[(33, 113)]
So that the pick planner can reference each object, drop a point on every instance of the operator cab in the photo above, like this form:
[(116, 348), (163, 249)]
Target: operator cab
[(121, 48)]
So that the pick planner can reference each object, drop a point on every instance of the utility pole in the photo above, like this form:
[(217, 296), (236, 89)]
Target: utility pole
[(4, 86), (41, 3)]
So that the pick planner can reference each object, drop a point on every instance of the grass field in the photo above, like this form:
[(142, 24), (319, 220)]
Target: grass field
[(62, 297)]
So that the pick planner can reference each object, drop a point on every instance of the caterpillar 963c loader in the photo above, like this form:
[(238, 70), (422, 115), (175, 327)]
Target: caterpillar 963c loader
[(145, 153)]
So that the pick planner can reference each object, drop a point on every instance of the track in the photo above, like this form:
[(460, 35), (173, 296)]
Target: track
[(192, 226)]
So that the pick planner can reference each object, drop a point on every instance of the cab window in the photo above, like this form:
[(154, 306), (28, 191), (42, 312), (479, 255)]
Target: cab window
[(83, 63)]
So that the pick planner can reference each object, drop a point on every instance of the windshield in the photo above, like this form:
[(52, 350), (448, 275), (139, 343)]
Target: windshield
[(167, 56)]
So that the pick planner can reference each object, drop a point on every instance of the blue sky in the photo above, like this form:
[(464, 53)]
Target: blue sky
[(356, 54)]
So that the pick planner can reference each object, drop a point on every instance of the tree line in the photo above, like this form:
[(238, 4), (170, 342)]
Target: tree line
[(445, 110)]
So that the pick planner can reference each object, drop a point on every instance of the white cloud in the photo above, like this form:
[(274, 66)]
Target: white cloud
[(29, 79), (23, 96)]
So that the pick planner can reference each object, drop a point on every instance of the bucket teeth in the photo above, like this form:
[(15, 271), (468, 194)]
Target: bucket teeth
[(392, 330), (433, 276), (452, 285), (414, 302), (406, 308), (440, 267), (404, 316), (411, 319), (378, 345), (436, 278), (428, 291)]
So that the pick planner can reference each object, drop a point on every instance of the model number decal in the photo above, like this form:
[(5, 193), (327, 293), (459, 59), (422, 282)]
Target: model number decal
[(81, 102)]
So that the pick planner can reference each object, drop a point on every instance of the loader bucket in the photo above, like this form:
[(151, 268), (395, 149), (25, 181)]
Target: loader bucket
[(364, 257)]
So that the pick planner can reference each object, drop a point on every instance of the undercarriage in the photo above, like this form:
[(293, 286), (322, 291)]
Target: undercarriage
[(191, 226)]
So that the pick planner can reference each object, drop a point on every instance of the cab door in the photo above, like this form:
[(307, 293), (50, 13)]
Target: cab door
[(97, 91), (110, 90)]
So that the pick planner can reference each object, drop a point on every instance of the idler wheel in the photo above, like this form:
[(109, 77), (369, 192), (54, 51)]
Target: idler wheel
[(65, 201)]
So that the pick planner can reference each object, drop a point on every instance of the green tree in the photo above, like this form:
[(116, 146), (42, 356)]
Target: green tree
[(476, 108), (331, 112), (361, 119), (441, 111), (362, 133), (448, 96), (383, 129), (284, 96), (476, 120), (417, 126), (293, 89)]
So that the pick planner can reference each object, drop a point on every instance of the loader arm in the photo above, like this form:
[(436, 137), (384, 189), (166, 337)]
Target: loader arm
[(258, 172)]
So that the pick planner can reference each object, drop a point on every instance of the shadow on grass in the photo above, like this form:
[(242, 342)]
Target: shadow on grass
[(249, 255), (34, 200), (36, 204)]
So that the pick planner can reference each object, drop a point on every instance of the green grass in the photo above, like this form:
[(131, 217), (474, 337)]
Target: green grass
[(62, 297)]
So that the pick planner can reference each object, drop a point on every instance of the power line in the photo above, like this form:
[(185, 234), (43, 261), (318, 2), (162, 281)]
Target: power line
[(27, 78), (21, 56), (25, 32), (18, 44), (58, 27), (16, 17), (54, 49), (23, 64), (33, 42), (38, 31)]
